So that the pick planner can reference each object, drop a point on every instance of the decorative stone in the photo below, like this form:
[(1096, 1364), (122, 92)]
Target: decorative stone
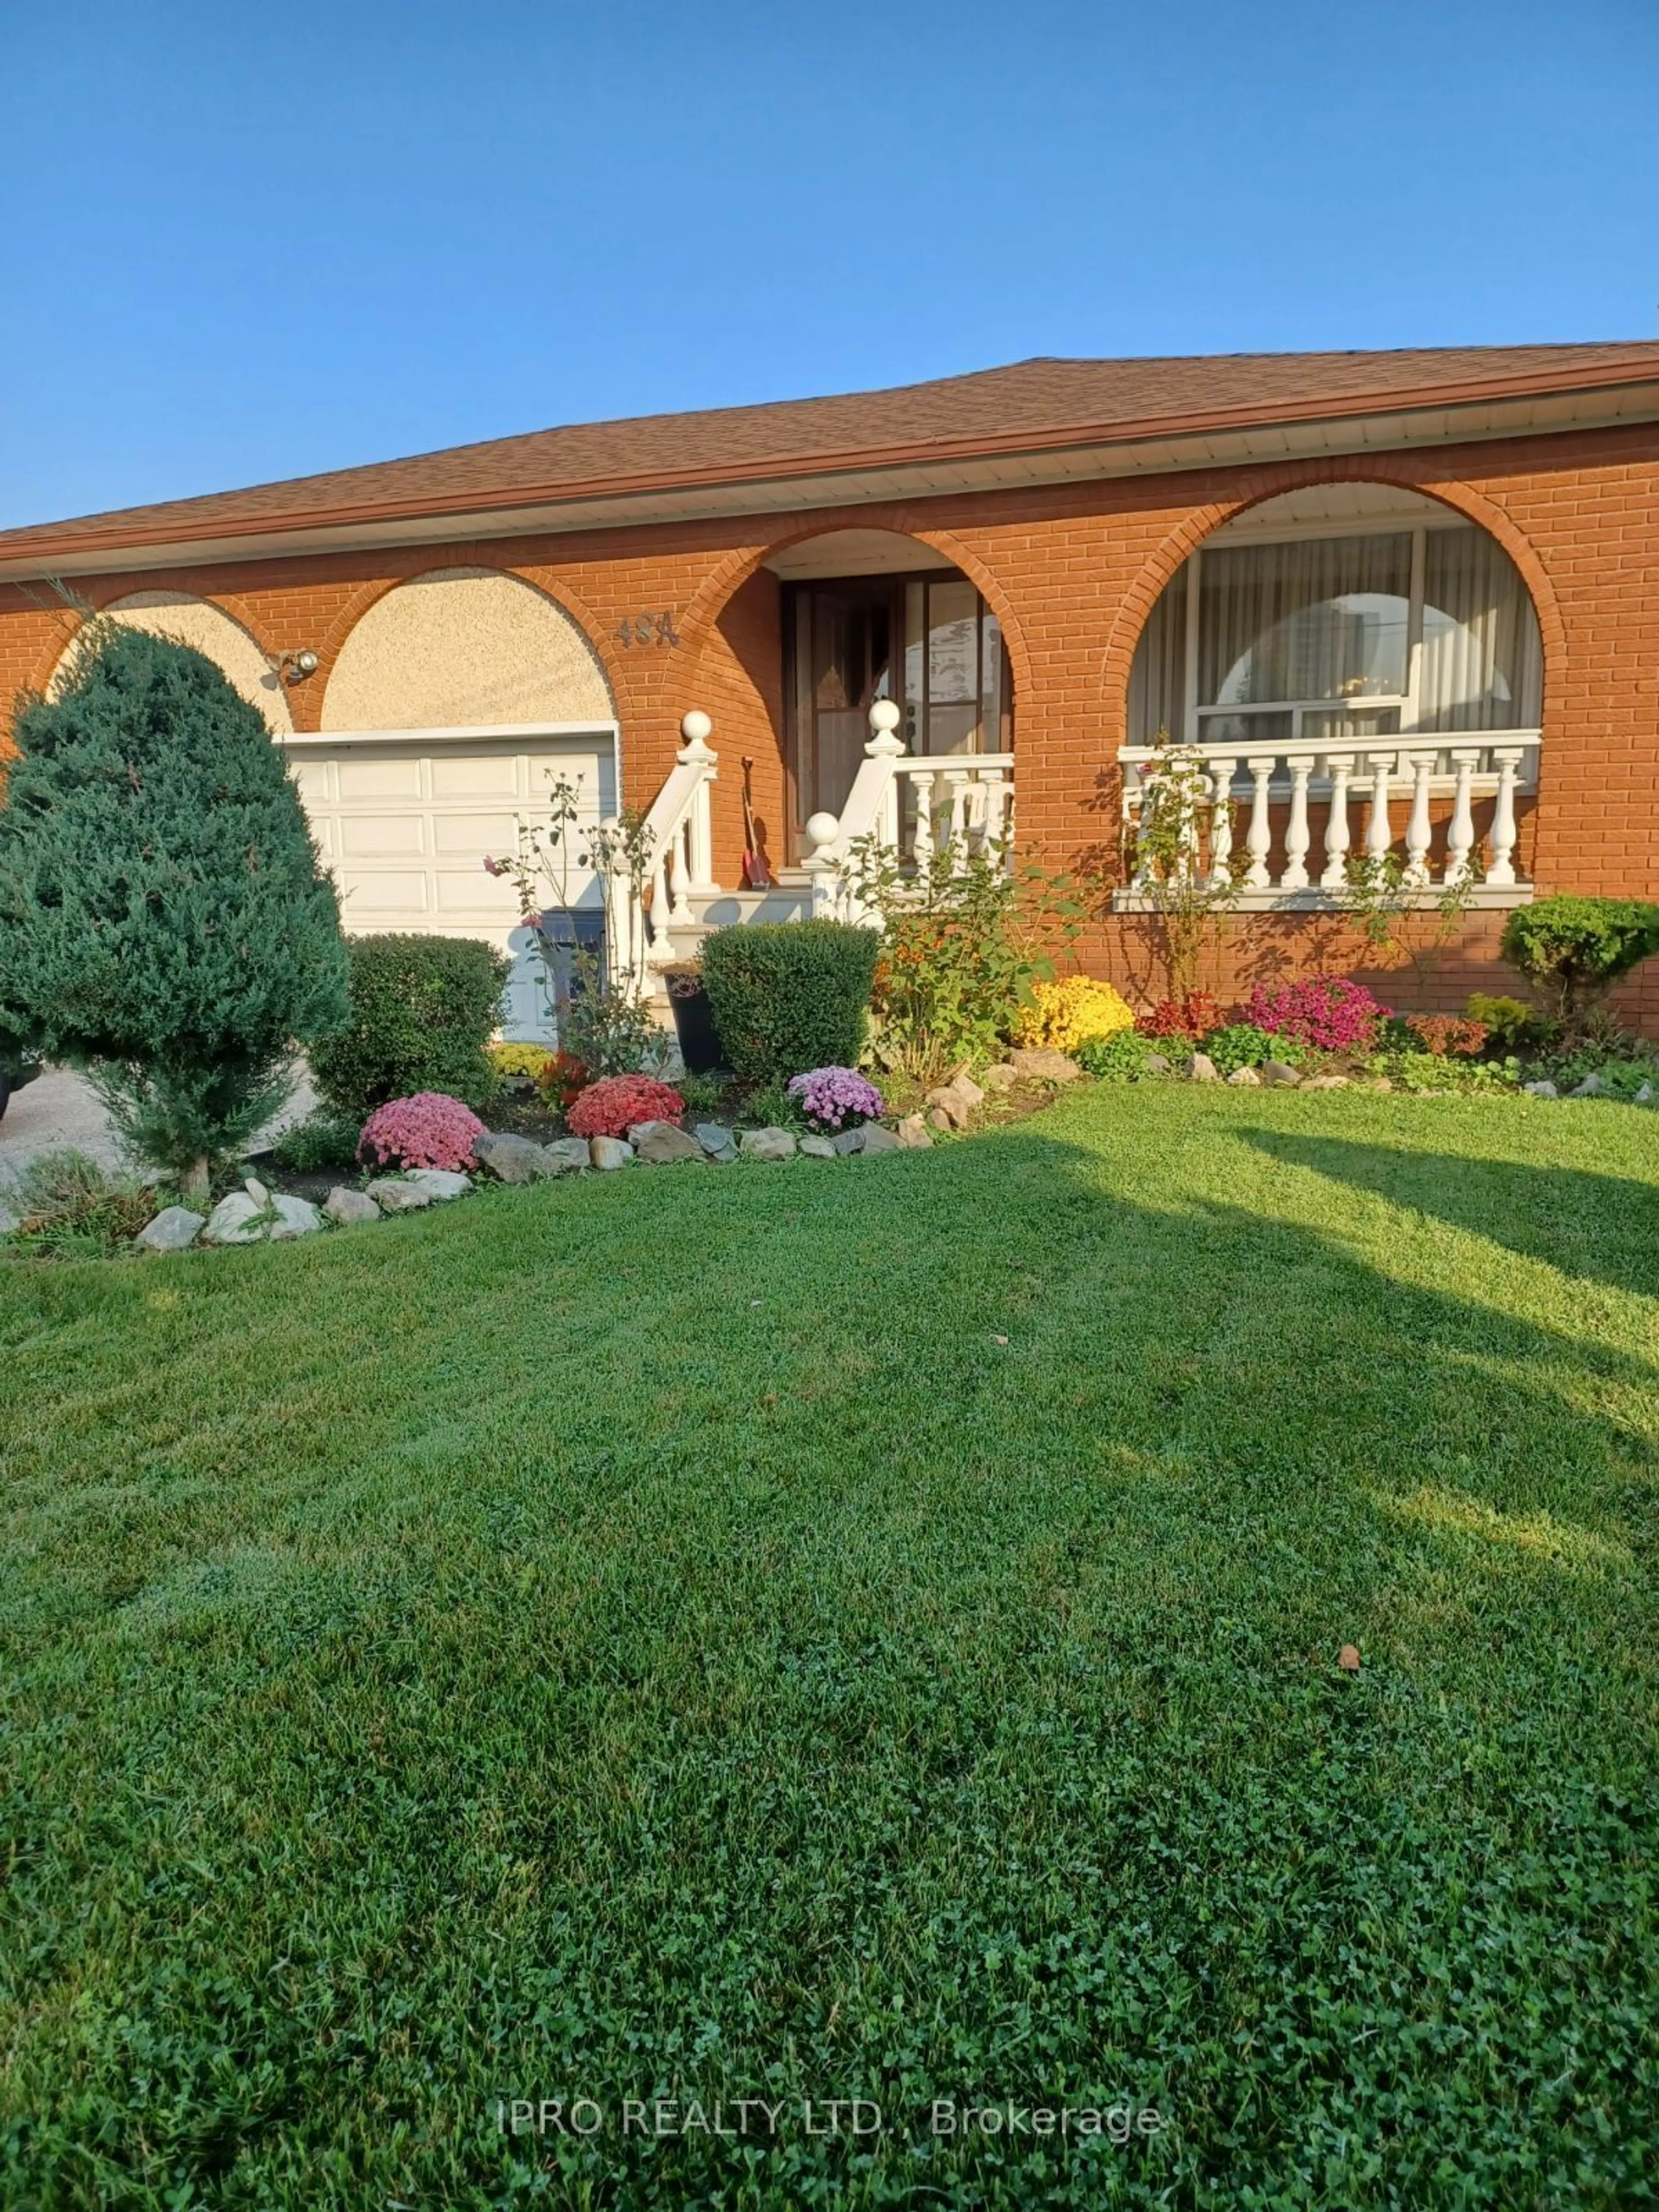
[(441, 1183), (1280, 1072), (1043, 1064), (1000, 1076), (1245, 1078), (1325, 1083), (510, 1158), (1542, 1090), (347, 1206), (936, 1118), (818, 1148), (565, 1155), (1589, 1088), (1643, 1096), (768, 1144), (911, 1134), (258, 1192), (1200, 1069), (295, 1217), (966, 1089), (607, 1154), (660, 1145), (236, 1219), (950, 1105), (175, 1229), (392, 1196), (1158, 1063), (847, 1141), (717, 1141), (879, 1139)]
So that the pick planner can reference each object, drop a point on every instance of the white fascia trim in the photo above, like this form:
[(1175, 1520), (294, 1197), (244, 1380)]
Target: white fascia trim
[(468, 733)]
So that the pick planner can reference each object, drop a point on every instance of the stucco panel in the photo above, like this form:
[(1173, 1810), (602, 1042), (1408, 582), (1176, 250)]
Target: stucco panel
[(196, 622), (465, 648)]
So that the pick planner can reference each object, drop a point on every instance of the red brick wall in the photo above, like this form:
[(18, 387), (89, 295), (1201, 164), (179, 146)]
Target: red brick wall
[(1071, 570)]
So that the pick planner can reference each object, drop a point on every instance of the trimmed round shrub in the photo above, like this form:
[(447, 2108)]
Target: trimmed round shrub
[(427, 1131), (612, 1108), (832, 1097), (1573, 950), (1327, 1013), (422, 1011), (1063, 1013), (789, 995)]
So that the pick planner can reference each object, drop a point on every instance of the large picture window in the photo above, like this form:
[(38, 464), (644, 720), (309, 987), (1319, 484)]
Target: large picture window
[(1325, 639)]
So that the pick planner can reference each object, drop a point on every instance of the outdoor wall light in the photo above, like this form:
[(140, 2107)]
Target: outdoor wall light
[(295, 667)]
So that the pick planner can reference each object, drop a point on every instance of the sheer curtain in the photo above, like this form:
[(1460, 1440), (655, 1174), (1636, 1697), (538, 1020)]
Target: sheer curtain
[(1157, 689), (1483, 661), (1328, 618)]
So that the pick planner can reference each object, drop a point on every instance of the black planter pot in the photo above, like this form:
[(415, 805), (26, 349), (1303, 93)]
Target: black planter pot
[(694, 1022)]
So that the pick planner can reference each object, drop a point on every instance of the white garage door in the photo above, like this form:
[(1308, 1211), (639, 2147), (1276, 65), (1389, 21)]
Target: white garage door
[(404, 818)]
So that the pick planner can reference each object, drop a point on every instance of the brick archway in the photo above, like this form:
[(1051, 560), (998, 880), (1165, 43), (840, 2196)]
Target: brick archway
[(72, 619), (723, 582), (1403, 473)]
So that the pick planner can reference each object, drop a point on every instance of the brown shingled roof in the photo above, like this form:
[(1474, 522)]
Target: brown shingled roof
[(1030, 405)]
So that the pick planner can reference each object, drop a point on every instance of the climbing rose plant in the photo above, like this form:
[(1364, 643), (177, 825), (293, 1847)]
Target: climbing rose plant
[(832, 1097), (611, 1109), (1327, 1013), (429, 1130)]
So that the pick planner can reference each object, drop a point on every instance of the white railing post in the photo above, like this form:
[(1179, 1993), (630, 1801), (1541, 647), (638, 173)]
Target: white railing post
[(996, 805), (1379, 837), (1418, 830), (1259, 841), (1336, 826), (1222, 772), (1298, 837), (1500, 868), (695, 728), (1460, 837)]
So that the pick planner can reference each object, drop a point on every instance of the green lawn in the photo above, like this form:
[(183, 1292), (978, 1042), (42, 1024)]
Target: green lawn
[(655, 1639)]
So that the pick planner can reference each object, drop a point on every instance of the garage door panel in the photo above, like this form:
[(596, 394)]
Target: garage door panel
[(397, 778), (405, 828)]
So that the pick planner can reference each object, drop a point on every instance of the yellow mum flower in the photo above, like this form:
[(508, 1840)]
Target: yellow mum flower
[(1063, 1014), (519, 1058)]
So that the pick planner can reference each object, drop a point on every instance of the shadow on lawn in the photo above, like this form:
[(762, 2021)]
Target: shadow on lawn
[(1602, 1227)]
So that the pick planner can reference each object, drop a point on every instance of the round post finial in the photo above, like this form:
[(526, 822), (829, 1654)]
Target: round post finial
[(885, 719)]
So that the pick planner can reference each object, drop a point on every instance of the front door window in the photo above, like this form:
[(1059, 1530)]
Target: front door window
[(928, 641)]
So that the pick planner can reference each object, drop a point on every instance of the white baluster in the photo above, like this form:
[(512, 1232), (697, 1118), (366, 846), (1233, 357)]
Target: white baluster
[(1296, 837), (680, 905), (1260, 840), (1340, 768), (1222, 773), (996, 805), (1379, 837), (661, 947), (821, 868), (1460, 837), (922, 846), (1500, 868), (1418, 830), (696, 752), (956, 782)]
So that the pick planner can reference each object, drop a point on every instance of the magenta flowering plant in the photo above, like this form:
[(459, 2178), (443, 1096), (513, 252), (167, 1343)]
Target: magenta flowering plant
[(430, 1130), (1327, 1013), (832, 1097)]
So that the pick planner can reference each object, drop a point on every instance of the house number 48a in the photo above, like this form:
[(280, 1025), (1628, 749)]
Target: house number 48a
[(648, 630)]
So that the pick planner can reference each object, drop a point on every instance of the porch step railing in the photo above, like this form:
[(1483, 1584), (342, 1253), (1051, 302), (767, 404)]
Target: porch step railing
[(1276, 861), (911, 806), (675, 862)]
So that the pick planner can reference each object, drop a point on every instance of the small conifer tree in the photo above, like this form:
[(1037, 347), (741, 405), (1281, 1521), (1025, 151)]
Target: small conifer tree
[(164, 923)]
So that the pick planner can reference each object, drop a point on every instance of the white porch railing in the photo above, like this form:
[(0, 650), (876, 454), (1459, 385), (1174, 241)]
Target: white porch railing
[(678, 857), (1291, 778), (912, 805)]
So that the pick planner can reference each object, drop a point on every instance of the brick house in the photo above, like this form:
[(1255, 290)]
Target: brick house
[(1401, 601)]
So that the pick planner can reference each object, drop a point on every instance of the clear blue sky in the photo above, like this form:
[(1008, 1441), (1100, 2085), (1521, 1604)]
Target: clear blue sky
[(250, 242)]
